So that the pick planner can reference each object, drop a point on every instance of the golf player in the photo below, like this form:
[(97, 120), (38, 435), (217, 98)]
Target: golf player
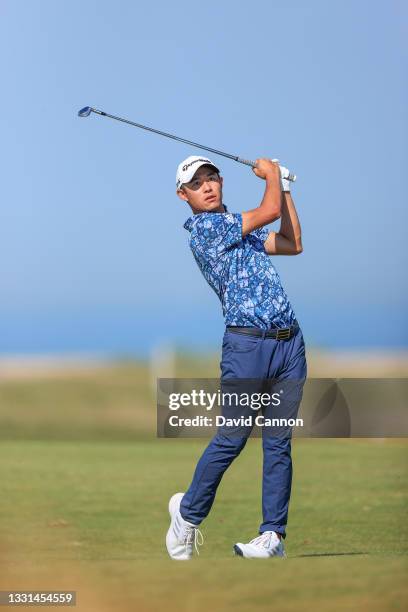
[(262, 339)]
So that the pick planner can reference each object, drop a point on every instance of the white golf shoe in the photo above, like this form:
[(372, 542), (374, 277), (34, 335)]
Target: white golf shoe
[(182, 536), (268, 544)]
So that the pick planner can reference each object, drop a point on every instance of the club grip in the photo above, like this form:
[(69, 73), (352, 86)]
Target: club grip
[(247, 162)]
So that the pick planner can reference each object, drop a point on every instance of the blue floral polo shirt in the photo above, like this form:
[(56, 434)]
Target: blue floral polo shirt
[(239, 271)]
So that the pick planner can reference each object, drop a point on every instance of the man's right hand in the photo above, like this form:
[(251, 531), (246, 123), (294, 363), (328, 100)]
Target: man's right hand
[(266, 169)]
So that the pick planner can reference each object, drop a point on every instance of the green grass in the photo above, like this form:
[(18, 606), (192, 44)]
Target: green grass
[(83, 506), (95, 514)]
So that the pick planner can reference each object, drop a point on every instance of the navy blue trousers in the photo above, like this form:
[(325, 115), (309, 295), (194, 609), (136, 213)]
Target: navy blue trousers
[(249, 357)]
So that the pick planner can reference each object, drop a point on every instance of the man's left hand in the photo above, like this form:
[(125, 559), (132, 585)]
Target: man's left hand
[(284, 172)]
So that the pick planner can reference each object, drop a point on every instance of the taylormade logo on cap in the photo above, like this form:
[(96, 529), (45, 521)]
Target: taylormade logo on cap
[(189, 167)]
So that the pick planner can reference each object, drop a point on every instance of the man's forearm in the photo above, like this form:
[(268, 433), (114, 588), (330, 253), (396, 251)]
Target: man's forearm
[(271, 202), (270, 207), (290, 225)]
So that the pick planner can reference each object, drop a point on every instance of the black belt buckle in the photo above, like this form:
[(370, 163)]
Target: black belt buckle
[(284, 334)]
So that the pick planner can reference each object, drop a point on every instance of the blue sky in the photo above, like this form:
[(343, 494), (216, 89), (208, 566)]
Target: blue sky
[(93, 255)]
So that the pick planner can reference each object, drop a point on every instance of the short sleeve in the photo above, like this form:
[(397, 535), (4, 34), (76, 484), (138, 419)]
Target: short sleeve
[(215, 233), (262, 233)]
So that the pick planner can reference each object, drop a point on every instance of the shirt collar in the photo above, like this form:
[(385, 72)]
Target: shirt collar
[(188, 225)]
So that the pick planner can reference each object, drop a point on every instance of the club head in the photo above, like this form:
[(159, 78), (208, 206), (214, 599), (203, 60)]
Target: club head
[(85, 112)]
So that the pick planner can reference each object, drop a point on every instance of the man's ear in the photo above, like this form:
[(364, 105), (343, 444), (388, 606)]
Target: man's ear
[(182, 195)]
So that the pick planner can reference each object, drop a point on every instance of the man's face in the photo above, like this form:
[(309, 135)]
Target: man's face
[(204, 191)]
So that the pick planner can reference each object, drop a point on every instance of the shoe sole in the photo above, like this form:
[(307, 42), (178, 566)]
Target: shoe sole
[(238, 551)]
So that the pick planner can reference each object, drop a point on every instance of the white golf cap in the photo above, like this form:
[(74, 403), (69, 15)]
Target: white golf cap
[(187, 169)]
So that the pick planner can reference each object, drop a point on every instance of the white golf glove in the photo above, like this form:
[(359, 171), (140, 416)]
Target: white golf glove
[(284, 172)]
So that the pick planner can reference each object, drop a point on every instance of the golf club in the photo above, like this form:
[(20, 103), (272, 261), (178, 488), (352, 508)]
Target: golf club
[(87, 110)]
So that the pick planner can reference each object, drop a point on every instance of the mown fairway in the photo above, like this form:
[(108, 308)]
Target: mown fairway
[(88, 512)]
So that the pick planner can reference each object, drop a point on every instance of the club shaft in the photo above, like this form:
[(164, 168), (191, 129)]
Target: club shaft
[(247, 162)]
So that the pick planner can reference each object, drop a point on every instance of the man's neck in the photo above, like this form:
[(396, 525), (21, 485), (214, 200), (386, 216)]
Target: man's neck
[(220, 209)]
